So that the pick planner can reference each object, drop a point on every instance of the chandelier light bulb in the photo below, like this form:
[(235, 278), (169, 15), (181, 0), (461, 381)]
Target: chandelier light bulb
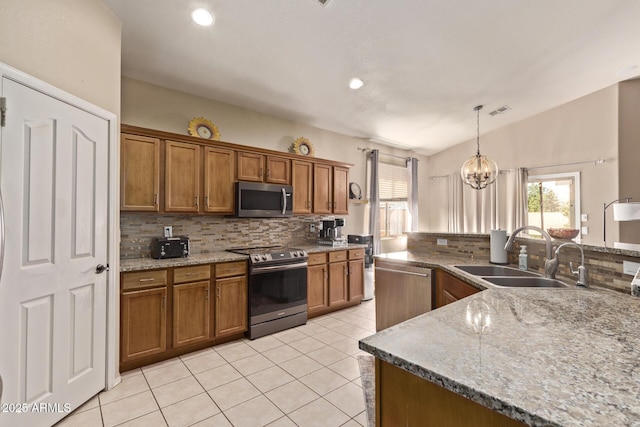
[(479, 171)]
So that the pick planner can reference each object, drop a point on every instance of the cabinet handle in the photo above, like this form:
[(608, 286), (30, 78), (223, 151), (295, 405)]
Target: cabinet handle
[(328, 205), (260, 172), (197, 202), (268, 173), (155, 199), (334, 205), (345, 270), (206, 201), (162, 301), (207, 295), (218, 290), (326, 276), (151, 279)]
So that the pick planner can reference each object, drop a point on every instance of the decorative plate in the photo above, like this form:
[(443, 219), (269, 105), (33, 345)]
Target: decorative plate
[(303, 147), (203, 128)]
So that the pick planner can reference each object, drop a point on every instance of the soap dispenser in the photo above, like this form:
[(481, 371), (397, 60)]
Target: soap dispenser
[(523, 259)]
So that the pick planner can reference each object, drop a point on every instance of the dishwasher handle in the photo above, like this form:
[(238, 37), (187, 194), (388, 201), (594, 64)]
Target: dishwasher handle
[(404, 272)]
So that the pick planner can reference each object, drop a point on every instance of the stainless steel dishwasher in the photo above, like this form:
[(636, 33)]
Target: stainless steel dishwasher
[(402, 292)]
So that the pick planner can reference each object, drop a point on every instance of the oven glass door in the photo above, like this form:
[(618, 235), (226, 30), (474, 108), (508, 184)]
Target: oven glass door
[(273, 289)]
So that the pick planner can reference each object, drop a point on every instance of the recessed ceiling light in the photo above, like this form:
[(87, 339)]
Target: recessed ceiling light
[(202, 17), (356, 83)]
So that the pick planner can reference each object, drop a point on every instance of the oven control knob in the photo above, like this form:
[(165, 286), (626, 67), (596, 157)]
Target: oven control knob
[(264, 257), (294, 253)]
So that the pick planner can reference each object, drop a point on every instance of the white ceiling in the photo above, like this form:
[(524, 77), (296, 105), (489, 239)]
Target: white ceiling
[(425, 63)]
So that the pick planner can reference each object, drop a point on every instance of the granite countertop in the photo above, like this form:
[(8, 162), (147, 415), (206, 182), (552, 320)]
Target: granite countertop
[(546, 357), (139, 264)]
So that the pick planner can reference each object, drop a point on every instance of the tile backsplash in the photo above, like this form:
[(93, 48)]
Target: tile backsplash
[(213, 233)]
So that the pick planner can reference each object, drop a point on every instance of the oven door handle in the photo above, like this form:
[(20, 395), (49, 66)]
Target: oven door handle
[(271, 268)]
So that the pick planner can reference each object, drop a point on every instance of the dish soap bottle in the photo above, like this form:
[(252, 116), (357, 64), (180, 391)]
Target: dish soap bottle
[(523, 259)]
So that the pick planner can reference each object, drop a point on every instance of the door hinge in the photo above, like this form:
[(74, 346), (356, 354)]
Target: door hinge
[(3, 111)]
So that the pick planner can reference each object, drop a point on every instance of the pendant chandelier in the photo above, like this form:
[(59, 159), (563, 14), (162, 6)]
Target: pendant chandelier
[(479, 171)]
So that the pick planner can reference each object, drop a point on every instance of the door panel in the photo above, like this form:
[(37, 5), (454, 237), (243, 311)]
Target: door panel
[(53, 177)]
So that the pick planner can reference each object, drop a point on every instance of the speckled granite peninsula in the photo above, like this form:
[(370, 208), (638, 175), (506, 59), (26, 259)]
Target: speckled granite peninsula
[(545, 357)]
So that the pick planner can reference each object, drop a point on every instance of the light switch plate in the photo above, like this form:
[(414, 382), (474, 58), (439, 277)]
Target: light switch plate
[(442, 242), (168, 231), (585, 230), (630, 268), (584, 217)]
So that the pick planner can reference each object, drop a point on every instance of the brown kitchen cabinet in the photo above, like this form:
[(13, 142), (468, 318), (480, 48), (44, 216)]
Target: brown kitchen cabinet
[(139, 173), (191, 306), (330, 189), (302, 182), (143, 315), (317, 283), (338, 278), (263, 168), (356, 274), (219, 178), (451, 289), (182, 177), (231, 298)]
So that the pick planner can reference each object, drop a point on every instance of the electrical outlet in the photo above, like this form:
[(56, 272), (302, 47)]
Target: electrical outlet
[(442, 242), (168, 231), (312, 228), (585, 230)]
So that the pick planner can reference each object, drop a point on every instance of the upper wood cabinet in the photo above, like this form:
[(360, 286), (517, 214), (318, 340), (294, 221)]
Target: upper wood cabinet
[(260, 168), (330, 189), (182, 177), (219, 178), (302, 182), (139, 173)]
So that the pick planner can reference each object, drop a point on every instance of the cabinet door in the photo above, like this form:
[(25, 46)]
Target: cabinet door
[(190, 313), (322, 188), (340, 190), (302, 181), (450, 289), (231, 306), (317, 290), (143, 323), (338, 283), (250, 166), (356, 279), (278, 170), (182, 177), (139, 173), (219, 177)]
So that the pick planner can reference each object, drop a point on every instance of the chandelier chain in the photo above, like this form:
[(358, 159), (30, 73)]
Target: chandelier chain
[(478, 108)]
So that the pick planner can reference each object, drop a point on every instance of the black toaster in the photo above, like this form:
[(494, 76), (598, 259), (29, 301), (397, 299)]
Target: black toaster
[(169, 247)]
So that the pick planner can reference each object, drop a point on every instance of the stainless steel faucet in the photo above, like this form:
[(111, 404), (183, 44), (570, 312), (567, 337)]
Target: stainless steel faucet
[(581, 272), (547, 266)]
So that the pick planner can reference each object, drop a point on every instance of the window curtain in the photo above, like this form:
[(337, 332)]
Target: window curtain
[(374, 200), (412, 166), (471, 211), (516, 199)]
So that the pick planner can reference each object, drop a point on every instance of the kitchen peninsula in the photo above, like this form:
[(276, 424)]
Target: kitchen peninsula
[(507, 356)]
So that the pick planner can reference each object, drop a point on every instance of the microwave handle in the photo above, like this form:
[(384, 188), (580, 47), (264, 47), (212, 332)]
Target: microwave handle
[(284, 201)]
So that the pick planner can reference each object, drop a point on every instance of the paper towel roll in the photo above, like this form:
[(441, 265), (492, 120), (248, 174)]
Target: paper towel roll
[(498, 252)]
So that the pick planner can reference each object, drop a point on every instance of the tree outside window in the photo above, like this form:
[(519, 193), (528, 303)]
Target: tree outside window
[(553, 201)]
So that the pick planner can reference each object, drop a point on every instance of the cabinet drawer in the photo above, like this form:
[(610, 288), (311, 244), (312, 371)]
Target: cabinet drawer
[(337, 256), (191, 274), (229, 269), (356, 253), (319, 258), (144, 279)]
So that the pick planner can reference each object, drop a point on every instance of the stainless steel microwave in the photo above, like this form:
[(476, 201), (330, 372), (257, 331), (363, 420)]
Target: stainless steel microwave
[(258, 200)]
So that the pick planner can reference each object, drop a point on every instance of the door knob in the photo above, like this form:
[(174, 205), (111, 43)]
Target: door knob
[(101, 268)]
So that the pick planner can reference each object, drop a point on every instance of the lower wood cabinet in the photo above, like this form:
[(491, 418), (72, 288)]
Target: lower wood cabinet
[(338, 283), (168, 312), (143, 326), (450, 289), (317, 284)]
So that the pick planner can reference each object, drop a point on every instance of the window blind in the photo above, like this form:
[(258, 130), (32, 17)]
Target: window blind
[(393, 182)]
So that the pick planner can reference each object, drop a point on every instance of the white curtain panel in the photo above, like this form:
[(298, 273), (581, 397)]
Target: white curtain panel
[(456, 206), (412, 168), (374, 201), (516, 199), (470, 210)]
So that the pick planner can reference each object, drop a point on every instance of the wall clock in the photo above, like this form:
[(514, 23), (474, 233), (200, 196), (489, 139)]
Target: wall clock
[(203, 128), (354, 191), (303, 147)]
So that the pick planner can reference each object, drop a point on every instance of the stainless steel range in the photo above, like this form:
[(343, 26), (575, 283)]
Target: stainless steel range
[(277, 289)]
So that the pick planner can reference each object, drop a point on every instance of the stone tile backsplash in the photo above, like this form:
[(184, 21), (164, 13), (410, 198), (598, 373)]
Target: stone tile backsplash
[(604, 266), (213, 233)]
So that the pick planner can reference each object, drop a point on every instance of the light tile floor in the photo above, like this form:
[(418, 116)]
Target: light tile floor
[(306, 376)]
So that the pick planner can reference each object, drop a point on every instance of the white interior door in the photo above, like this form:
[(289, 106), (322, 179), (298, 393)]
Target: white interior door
[(54, 182)]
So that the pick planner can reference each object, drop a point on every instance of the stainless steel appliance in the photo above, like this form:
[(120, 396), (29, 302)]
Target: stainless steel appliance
[(258, 200), (277, 289), (331, 233), (169, 247)]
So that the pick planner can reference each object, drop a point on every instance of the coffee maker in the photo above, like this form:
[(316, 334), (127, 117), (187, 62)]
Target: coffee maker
[(331, 233)]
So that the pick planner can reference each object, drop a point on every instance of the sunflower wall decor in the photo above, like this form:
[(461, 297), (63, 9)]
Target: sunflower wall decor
[(203, 128), (303, 147)]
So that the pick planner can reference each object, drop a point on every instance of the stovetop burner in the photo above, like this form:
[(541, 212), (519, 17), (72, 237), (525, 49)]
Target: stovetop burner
[(271, 254)]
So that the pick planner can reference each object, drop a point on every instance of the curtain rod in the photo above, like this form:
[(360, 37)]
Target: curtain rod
[(595, 162), (386, 154)]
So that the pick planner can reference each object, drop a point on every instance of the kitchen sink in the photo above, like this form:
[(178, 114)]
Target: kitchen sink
[(525, 282), (494, 270)]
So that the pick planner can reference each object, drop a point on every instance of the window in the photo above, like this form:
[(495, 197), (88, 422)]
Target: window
[(394, 193), (553, 201)]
